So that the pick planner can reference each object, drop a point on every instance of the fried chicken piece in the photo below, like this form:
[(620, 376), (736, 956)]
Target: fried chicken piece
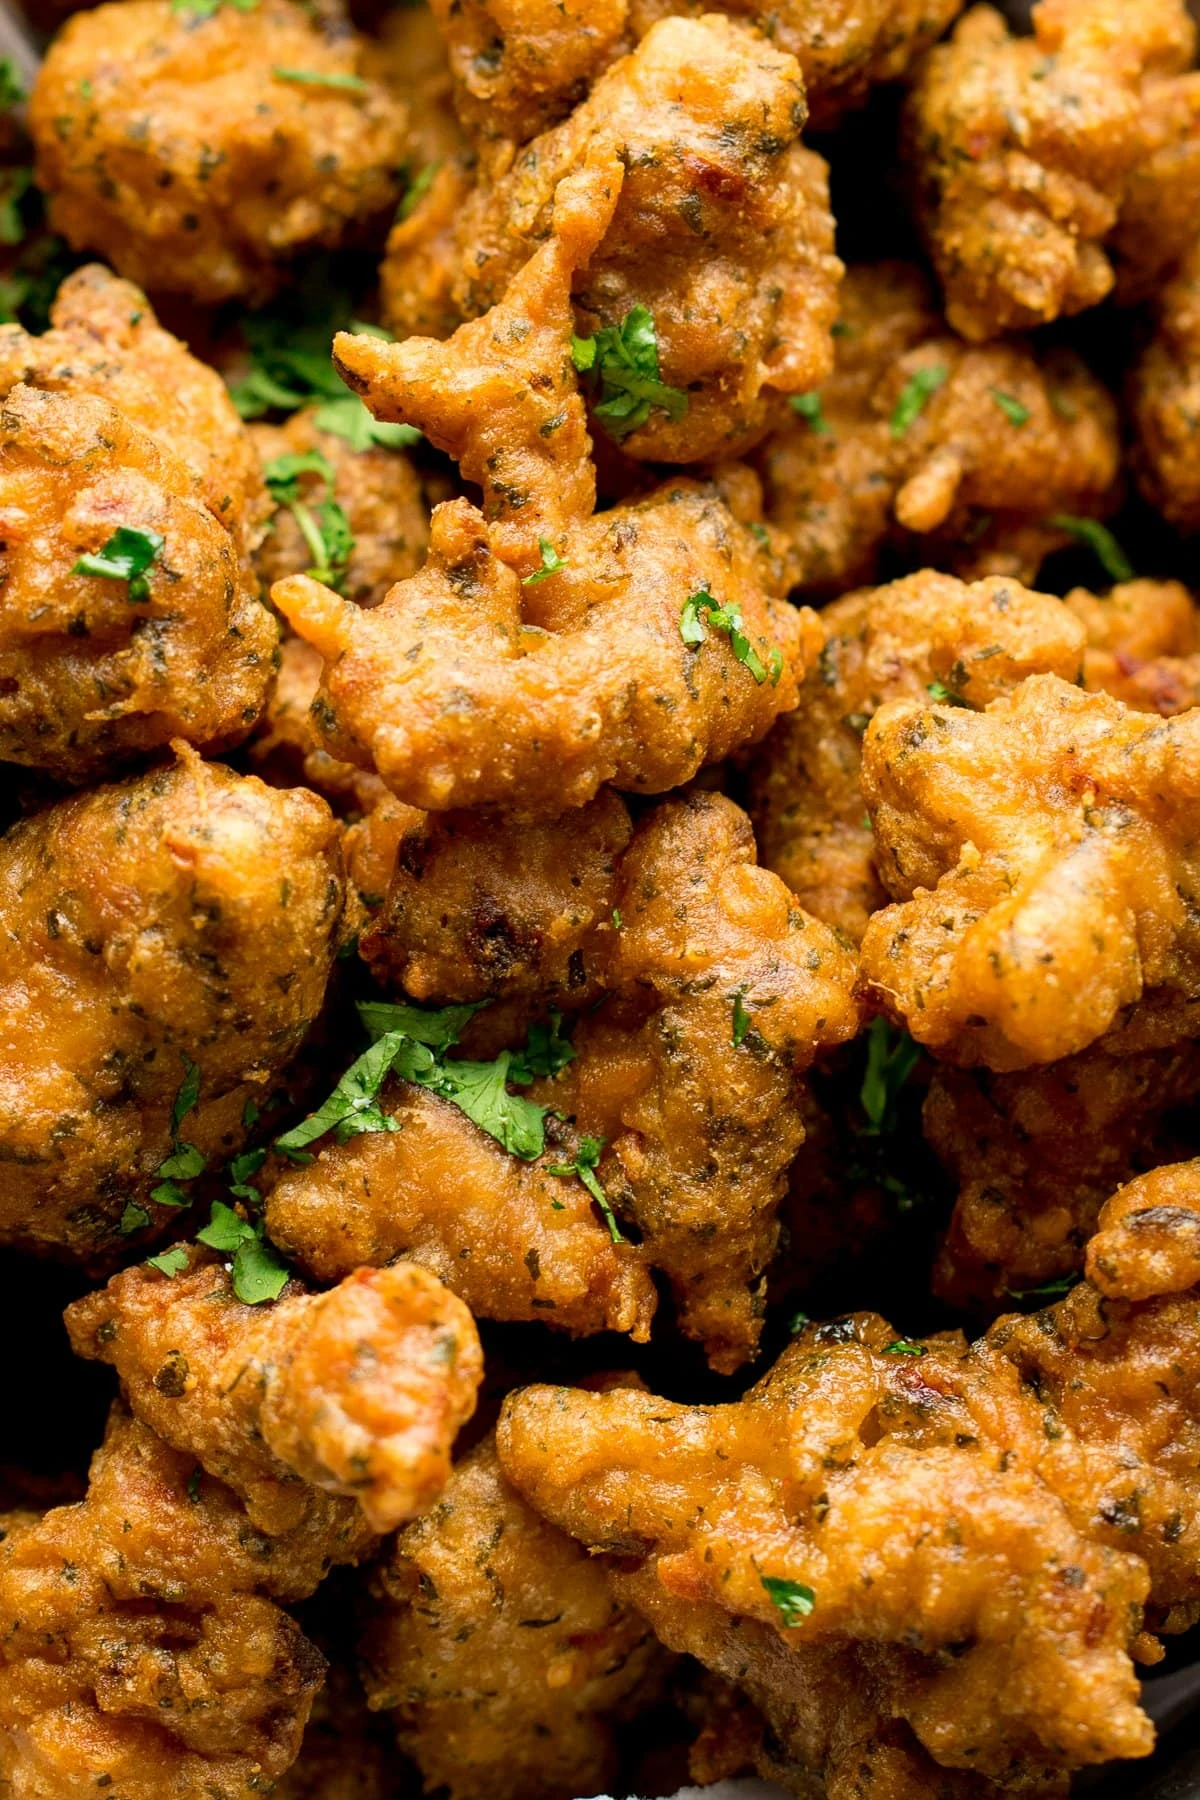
[(721, 230), (1164, 391), (1037, 1153), (143, 1642), (1044, 855), (358, 1392), (1143, 644), (187, 917), (1021, 148), (959, 1539), (498, 1648), (926, 631), (200, 152), (380, 493), (541, 651), (934, 447), (720, 994)]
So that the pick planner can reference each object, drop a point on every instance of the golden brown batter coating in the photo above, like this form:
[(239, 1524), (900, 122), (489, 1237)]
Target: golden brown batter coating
[(541, 651), (1037, 1153), (722, 231), (1164, 389), (873, 1502), (1021, 149), (191, 913), (356, 1393), (143, 1646), (1143, 644), (1158, 222), (345, 1754), (935, 447), (168, 140), (887, 643), (1045, 856), (380, 493), (499, 1649)]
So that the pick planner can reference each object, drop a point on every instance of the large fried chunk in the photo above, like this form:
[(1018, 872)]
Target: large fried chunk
[(497, 1646), (200, 150), (932, 447), (544, 649), (187, 918), (1045, 856), (1165, 399), (1021, 149), (1143, 644), (926, 632), (722, 232), (357, 1392)]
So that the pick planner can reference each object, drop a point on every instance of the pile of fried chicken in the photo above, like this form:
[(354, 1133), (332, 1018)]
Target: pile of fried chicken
[(595, 802)]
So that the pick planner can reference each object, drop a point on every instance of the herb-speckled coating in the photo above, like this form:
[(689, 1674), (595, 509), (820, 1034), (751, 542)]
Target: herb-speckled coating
[(1143, 644), (190, 912), (1164, 393)]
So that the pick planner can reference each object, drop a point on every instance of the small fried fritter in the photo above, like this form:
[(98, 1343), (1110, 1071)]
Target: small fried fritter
[(541, 651), (1164, 386), (722, 230), (1037, 1153), (498, 1648), (356, 1393), (926, 631), (1158, 222), (720, 992), (187, 917), (1045, 855), (1143, 644), (1020, 150), (965, 1538), (200, 150), (143, 1646), (922, 443)]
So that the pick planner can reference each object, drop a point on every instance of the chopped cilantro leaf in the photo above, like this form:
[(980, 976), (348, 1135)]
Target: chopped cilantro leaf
[(169, 1193), (552, 562), (169, 1262), (188, 1095), (282, 474), (346, 416), (616, 918), (798, 1321), (480, 1090), (939, 691), (438, 1028), (741, 1021), (1100, 540), (241, 1169), (326, 532), (624, 359), (250, 1113), (809, 408), (417, 189), (700, 610), (1050, 1290), (1010, 406), (193, 1484), (224, 1229), (125, 557), (184, 1163), (14, 185), (351, 1108), (12, 91), (259, 1272), (584, 1164), (328, 78), (891, 1059), (920, 387), (792, 1600), (903, 1347), (133, 1218), (548, 1050)]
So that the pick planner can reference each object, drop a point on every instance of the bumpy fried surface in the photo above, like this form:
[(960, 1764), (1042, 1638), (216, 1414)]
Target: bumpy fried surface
[(722, 229), (143, 1646), (190, 913), (470, 684), (1045, 855), (1165, 400), (498, 1646), (167, 140), (977, 641), (1021, 149), (1036, 1154), (700, 1129), (356, 1393), (378, 489), (345, 1754), (1143, 644), (1157, 225), (1007, 438), (1020, 1501), (108, 423)]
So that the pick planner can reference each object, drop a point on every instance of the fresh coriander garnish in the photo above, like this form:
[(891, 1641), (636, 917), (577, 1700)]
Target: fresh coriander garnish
[(438, 1028), (331, 78), (241, 1169), (1010, 406), (903, 1347), (1100, 540), (741, 1021), (937, 690), (920, 387), (12, 90), (125, 557), (700, 610), (259, 1272), (325, 528), (204, 9), (291, 367), (184, 1163), (792, 1600), (352, 1107), (417, 189), (617, 920), (169, 1193), (584, 1164), (14, 185), (188, 1095), (1050, 1290), (346, 417), (552, 562), (809, 408), (547, 1051), (133, 1218), (193, 1484), (798, 1321), (169, 1262), (624, 360), (891, 1059)]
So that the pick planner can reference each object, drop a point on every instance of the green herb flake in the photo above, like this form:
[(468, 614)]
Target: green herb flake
[(937, 690), (1050, 1290), (170, 1262), (241, 1169), (12, 90), (797, 1322), (624, 360), (617, 920), (584, 1165), (417, 189), (193, 1484), (322, 78), (133, 1218), (741, 1021), (700, 611), (808, 406), (126, 556), (184, 1163), (552, 562), (259, 1272), (169, 1193), (792, 1600), (918, 390), (250, 1113), (188, 1095), (352, 1107), (14, 185), (903, 1347), (438, 1028), (347, 417), (548, 1050), (282, 474), (204, 9), (1010, 406), (891, 1059), (1100, 540)]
